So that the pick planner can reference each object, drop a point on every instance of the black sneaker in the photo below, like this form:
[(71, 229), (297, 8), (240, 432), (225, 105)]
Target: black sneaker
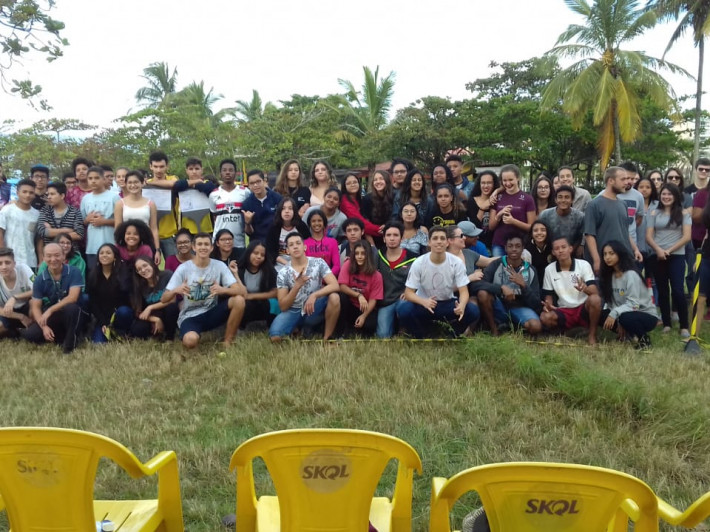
[(476, 521), (644, 343)]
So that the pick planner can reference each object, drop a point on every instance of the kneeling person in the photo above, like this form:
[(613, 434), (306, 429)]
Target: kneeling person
[(307, 291), (15, 293), (430, 287), (571, 282), (55, 302), (201, 281)]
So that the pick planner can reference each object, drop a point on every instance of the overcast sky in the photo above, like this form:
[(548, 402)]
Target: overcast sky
[(285, 47)]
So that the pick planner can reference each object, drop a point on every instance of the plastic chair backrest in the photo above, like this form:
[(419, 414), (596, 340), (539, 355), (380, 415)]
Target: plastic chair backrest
[(325, 478), (526, 496), (47, 476)]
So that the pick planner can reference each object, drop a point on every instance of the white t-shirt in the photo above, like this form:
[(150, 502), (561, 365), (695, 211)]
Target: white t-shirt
[(227, 208), (563, 283), (437, 280), (20, 227), (23, 283), (200, 281)]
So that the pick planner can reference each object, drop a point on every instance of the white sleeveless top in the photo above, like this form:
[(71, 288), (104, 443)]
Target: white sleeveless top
[(137, 213)]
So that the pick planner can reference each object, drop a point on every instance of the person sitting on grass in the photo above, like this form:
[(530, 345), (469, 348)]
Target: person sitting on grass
[(632, 313), (429, 293), (153, 317), (108, 287), (201, 281), (15, 293), (307, 292), (570, 291), (258, 275), (55, 303), (512, 291), (133, 238), (360, 290)]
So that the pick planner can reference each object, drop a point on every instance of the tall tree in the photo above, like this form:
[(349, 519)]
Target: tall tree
[(194, 94), (605, 78), (25, 27), (161, 84), (247, 111), (691, 15)]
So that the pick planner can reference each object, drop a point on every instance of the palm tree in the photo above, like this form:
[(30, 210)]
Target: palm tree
[(367, 110), (606, 80), (696, 17), (161, 84), (194, 94), (251, 110)]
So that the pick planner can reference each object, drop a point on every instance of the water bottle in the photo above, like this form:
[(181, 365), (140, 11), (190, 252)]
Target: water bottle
[(104, 526)]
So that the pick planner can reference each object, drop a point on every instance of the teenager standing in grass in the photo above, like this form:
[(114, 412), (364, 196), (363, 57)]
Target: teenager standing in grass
[(75, 194), (183, 243), (350, 204), (322, 178), (514, 210), (414, 235), (414, 190), (133, 206), (201, 281), (289, 184), (58, 218), (668, 231), (286, 221), (632, 313), (18, 225), (483, 198), (97, 209), (223, 249)]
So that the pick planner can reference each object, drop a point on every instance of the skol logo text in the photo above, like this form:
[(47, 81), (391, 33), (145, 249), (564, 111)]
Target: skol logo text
[(326, 470), (552, 507)]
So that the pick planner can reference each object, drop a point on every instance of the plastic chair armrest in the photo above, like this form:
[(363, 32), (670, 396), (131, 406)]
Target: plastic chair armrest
[(437, 483), (160, 460), (668, 513), (691, 517), (631, 509)]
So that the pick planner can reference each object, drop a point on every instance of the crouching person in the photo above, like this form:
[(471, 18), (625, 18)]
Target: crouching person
[(55, 303), (201, 281), (511, 291), (15, 293), (430, 287), (307, 292), (571, 295)]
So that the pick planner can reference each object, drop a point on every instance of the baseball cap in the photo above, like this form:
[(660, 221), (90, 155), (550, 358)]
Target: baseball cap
[(469, 228)]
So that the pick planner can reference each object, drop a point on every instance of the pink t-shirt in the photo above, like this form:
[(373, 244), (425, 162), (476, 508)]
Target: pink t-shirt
[(127, 256), (369, 286), (74, 196), (326, 249)]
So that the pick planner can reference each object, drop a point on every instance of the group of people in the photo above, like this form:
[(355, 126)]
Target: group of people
[(94, 254)]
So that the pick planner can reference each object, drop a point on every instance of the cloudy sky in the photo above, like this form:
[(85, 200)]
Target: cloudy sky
[(284, 47)]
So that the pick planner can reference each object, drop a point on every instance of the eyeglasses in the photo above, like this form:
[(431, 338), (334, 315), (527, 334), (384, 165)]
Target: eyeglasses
[(673, 177), (658, 179), (226, 239), (183, 243), (703, 169), (459, 236), (543, 187)]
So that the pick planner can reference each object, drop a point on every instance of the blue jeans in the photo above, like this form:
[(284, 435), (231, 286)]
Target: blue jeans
[(638, 323), (517, 315), (418, 320), (288, 320), (123, 318), (385, 319)]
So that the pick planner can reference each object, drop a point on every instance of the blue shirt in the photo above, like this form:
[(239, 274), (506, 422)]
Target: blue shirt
[(263, 210), (51, 291), (103, 204)]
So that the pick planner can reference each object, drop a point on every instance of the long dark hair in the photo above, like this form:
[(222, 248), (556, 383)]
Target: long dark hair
[(268, 272), (278, 221), (476, 191), (345, 196), (369, 267), (676, 216), (457, 206), (72, 252), (417, 223), (548, 238), (96, 275), (626, 263), (381, 204), (405, 194), (144, 234), (140, 283), (550, 198), (216, 254)]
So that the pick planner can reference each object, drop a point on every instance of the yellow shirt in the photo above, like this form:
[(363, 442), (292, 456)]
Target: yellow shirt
[(167, 220)]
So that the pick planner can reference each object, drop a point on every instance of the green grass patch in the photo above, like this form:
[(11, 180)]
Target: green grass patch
[(459, 404)]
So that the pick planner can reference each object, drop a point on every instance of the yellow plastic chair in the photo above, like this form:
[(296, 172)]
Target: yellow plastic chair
[(47, 483), (531, 496), (325, 479), (695, 514)]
